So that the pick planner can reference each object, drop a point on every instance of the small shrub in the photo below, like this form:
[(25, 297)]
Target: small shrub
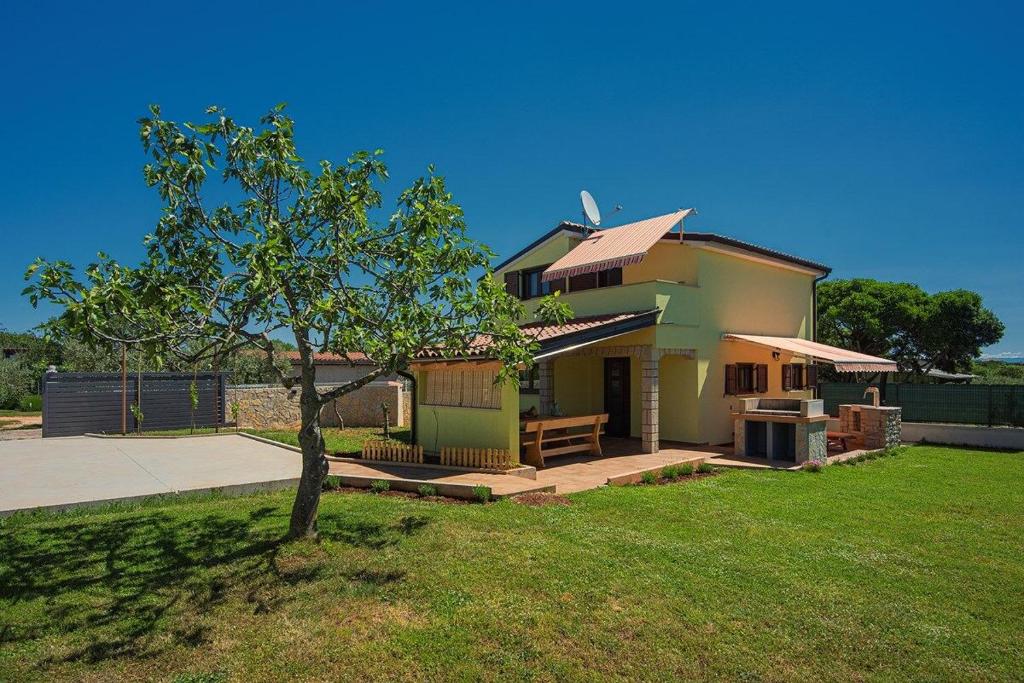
[(380, 485), (705, 468), (482, 493), (686, 470), (813, 465), (331, 483), (236, 408), (649, 478), (427, 490), (670, 472), (30, 403)]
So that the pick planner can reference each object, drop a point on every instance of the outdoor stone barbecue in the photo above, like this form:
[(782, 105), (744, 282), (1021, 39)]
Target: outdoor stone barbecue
[(781, 429), (873, 427)]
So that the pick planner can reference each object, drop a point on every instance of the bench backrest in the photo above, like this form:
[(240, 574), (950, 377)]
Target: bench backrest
[(563, 422)]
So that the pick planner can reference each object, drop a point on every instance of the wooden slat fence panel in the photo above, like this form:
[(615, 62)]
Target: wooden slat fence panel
[(392, 452), (479, 458), (76, 403)]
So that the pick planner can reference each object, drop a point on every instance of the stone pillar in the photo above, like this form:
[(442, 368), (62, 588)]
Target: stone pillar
[(546, 385), (649, 358)]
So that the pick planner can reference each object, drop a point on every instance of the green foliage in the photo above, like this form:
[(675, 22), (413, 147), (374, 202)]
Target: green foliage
[(998, 372), (31, 403), (380, 485), (705, 468), (686, 470), (901, 321), (137, 413), (207, 677), (670, 472), (649, 478), (812, 466), (235, 408), (482, 493), (427, 490), (16, 382), (331, 483)]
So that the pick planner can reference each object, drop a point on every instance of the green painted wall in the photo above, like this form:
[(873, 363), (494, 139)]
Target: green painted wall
[(440, 426)]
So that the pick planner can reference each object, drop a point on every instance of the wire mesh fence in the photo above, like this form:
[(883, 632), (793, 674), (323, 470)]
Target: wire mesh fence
[(981, 404)]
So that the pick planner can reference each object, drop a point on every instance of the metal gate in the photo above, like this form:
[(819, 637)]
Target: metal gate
[(79, 402)]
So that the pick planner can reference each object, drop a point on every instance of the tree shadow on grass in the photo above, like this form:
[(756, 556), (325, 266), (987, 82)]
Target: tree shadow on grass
[(112, 585)]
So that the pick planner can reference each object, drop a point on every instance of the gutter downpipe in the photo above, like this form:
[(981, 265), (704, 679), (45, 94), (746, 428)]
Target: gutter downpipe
[(412, 413), (814, 315)]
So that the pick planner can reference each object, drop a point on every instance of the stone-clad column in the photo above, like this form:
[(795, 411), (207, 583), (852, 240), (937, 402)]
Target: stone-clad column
[(649, 358), (546, 384)]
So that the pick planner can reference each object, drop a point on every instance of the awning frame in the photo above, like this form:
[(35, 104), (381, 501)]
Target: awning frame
[(842, 360)]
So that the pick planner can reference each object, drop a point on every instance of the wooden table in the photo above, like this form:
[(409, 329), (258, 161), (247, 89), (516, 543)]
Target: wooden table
[(546, 436)]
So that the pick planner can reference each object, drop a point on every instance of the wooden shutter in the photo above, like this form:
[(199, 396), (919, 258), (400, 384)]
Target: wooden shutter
[(811, 377), (730, 380), (787, 377), (761, 385), (512, 283), (578, 283), (799, 376)]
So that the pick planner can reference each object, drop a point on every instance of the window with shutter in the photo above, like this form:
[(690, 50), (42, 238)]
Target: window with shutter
[(787, 377), (577, 283), (762, 379), (609, 278), (812, 376), (798, 376), (730, 380), (512, 283), (558, 285)]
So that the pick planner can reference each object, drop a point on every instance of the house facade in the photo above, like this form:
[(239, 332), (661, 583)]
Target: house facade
[(671, 329)]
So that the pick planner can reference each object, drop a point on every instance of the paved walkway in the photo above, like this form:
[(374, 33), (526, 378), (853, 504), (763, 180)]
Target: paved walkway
[(71, 471)]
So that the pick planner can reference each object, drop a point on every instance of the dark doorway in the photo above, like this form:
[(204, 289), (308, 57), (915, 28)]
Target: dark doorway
[(616, 396)]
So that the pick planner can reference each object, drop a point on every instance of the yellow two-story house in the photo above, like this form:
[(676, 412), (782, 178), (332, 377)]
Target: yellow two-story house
[(671, 328)]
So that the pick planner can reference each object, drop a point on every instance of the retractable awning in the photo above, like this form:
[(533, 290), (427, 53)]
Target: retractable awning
[(614, 247), (843, 360)]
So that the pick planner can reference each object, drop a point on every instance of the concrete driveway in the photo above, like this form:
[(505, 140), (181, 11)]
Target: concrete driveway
[(80, 470)]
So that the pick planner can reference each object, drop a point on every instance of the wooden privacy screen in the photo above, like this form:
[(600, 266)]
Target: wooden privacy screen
[(483, 458), (392, 452), (462, 388)]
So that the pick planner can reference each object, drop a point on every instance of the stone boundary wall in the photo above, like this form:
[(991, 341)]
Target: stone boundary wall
[(274, 407)]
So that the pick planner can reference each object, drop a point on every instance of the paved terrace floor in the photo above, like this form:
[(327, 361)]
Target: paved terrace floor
[(71, 471), (565, 474)]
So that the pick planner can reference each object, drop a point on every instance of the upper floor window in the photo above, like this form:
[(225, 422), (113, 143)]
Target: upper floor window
[(604, 278), (527, 284)]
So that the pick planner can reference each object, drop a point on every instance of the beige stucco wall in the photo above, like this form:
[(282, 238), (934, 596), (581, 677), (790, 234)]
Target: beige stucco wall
[(438, 427)]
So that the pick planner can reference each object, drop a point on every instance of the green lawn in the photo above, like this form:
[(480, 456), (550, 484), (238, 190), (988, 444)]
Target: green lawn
[(348, 440), (910, 566), (21, 413)]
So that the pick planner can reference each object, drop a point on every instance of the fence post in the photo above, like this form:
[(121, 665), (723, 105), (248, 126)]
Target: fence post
[(50, 372)]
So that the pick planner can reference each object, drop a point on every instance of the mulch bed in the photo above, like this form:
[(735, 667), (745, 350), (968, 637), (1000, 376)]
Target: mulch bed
[(689, 477), (541, 499), (401, 494)]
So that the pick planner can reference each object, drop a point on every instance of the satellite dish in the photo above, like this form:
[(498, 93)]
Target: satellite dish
[(590, 211)]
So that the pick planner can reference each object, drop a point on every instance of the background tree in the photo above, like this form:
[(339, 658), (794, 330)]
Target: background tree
[(901, 321), (289, 250)]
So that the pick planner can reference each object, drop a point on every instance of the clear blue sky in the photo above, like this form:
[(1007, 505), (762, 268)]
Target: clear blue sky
[(885, 141)]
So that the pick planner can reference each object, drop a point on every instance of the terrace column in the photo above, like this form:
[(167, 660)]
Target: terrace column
[(546, 385), (649, 358)]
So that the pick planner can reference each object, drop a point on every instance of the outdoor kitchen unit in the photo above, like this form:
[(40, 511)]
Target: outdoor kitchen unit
[(783, 429)]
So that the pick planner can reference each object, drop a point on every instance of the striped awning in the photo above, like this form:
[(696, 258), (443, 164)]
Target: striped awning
[(843, 360), (614, 247)]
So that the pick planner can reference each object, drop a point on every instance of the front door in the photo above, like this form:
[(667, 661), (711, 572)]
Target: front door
[(616, 396)]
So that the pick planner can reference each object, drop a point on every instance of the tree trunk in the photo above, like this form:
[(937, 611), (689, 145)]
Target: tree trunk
[(314, 464)]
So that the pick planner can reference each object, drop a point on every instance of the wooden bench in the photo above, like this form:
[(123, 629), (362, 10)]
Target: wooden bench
[(840, 439), (545, 437)]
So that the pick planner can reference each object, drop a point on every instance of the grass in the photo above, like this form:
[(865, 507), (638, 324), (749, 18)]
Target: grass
[(910, 566), (348, 440), (21, 413)]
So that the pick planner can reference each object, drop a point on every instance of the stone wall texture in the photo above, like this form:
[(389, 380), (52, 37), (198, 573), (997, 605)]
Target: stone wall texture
[(879, 427), (274, 407)]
